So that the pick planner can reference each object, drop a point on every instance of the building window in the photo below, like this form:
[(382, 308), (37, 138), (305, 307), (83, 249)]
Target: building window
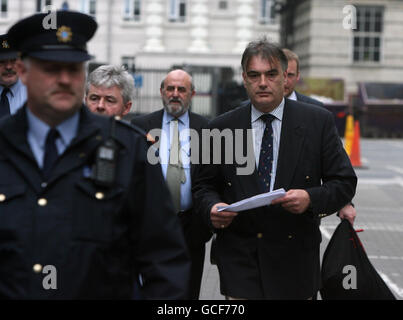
[(41, 4), (368, 34), (222, 5), (177, 10), (4, 8), (128, 62), (89, 7), (266, 11), (132, 10)]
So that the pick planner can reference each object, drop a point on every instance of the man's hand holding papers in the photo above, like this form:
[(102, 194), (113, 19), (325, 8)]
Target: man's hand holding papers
[(222, 219), (295, 201)]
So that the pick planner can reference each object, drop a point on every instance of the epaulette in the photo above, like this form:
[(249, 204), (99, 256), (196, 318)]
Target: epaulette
[(150, 139)]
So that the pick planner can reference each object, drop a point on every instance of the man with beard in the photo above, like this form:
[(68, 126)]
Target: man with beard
[(174, 120), (13, 92)]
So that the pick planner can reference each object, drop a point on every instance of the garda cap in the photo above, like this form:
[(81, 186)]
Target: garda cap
[(6, 51), (39, 37)]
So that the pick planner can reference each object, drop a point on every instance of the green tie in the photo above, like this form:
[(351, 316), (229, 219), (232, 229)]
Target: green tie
[(175, 171)]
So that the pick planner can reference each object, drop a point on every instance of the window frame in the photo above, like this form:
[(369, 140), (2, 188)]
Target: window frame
[(174, 11), (4, 14), (86, 7), (40, 4), (367, 41), (266, 14), (129, 8)]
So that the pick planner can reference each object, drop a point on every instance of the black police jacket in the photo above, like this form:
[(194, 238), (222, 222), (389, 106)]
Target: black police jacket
[(67, 238)]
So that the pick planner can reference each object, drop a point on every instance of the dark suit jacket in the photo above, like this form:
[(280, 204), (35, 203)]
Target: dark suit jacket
[(196, 232), (269, 252), (306, 99), (96, 237)]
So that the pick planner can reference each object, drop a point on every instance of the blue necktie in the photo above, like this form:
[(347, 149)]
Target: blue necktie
[(4, 103), (266, 154), (51, 153)]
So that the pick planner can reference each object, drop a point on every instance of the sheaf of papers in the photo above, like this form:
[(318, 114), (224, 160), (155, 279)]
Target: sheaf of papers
[(260, 200)]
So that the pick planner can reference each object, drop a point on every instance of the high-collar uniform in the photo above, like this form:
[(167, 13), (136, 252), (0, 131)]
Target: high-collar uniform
[(268, 252), (97, 238)]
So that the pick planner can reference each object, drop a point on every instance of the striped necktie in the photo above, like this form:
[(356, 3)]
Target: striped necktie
[(266, 154), (175, 172)]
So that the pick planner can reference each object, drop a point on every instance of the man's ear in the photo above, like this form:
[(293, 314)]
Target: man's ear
[(127, 108)]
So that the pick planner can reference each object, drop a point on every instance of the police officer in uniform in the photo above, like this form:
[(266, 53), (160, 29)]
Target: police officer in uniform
[(82, 212), (13, 93)]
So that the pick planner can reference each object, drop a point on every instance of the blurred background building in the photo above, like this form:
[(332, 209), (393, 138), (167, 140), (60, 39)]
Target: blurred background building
[(151, 36), (343, 45), (351, 58)]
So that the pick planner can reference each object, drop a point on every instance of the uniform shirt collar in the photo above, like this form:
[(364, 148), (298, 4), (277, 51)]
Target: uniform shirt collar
[(39, 129), (14, 88)]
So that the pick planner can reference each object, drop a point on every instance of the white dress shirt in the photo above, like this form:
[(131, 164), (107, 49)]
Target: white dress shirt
[(258, 126)]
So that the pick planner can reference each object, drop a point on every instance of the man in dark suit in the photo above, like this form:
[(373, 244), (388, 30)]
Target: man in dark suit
[(177, 91), (81, 209), (272, 252), (293, 75)]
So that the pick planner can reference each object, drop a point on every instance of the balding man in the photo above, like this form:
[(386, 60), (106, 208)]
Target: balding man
[(174, 119)]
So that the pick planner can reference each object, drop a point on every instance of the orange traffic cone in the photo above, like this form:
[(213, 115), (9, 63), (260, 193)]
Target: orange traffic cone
[(355, 156), (349, 134)]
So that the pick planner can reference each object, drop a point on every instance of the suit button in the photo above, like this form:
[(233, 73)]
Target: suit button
[(307, 177), (290, 236), (229, 184), (42, 202), (2, 197), (260, 235), (37, 268), (99, 195)]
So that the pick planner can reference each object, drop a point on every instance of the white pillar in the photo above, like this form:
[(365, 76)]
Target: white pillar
[(199, 30), (244, 23), (154, 30)]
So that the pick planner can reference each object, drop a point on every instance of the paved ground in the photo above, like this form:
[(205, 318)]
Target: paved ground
[(379, 203)]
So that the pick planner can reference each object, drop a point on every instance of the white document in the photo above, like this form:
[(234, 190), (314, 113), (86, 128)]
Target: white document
[(260, 200)]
